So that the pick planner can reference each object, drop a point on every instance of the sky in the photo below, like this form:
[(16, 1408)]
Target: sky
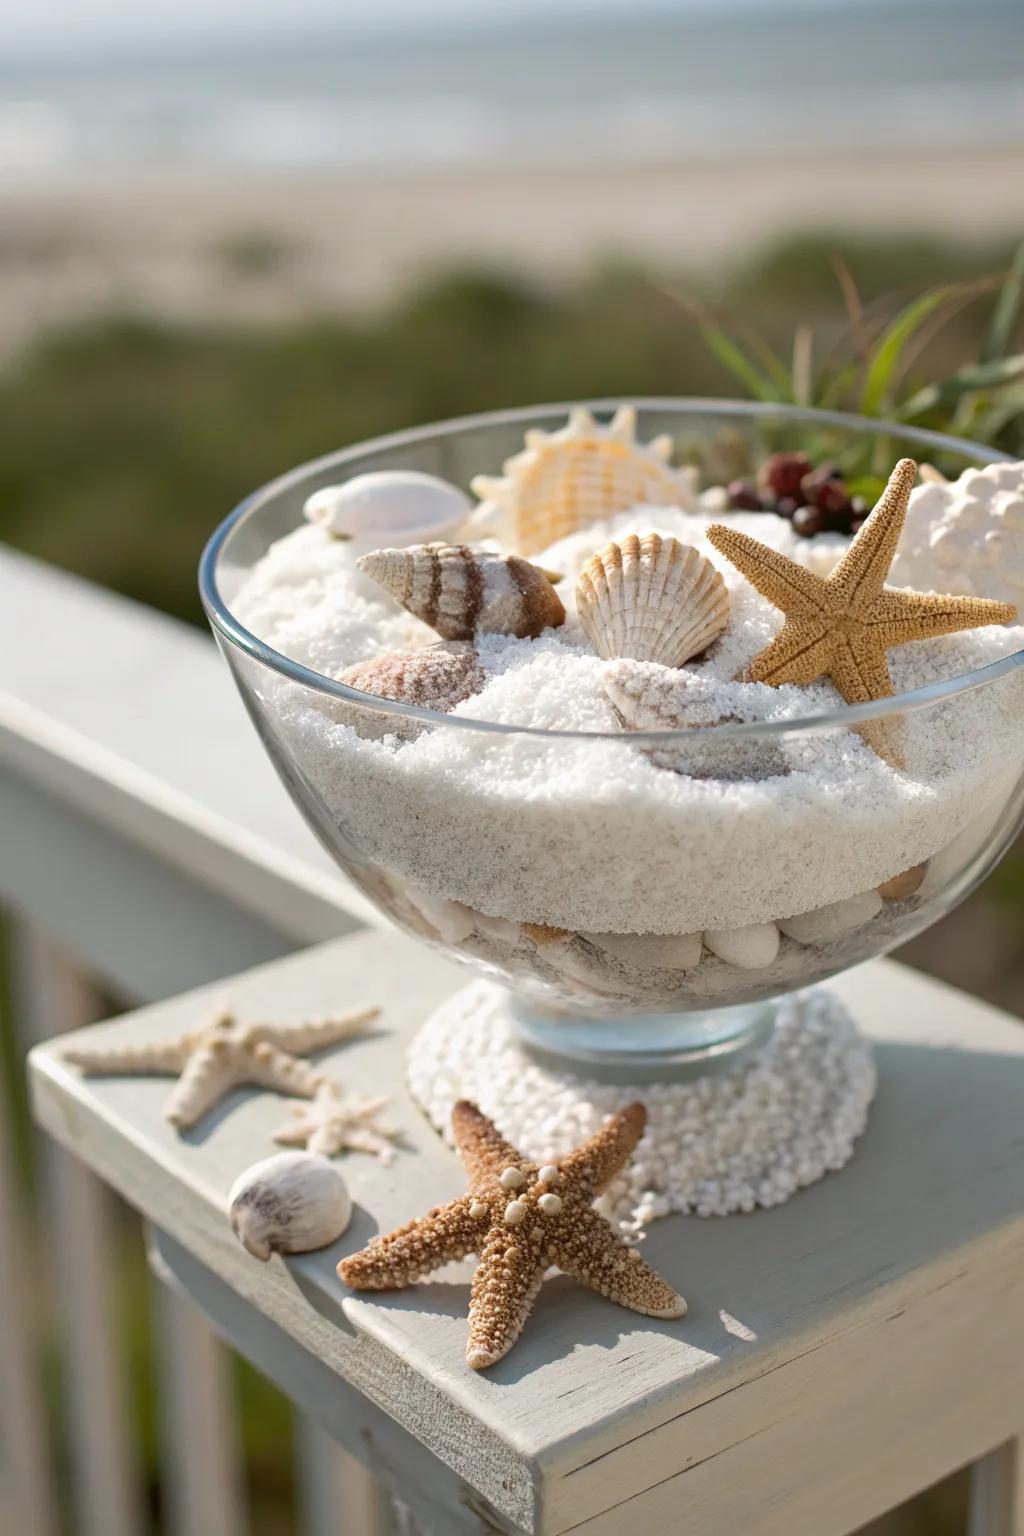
[(57, 26)]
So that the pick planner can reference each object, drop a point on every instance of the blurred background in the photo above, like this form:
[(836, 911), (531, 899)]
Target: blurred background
[(234, 235)]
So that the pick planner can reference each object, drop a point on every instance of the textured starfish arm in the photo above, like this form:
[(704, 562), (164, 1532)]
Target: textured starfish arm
[(388, 1263), (589, 1251), (316, 1034), (798, 654), (784, 583), (484, 1152), (357, 1139), (269, 1067), (859, 669), (160, 1056), (900, 617), (505, 1286), (861, 674), (599, 1159), (208, 1074), (859, 577)]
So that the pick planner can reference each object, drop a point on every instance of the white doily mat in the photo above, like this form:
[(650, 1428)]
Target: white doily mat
[(740, 1137)]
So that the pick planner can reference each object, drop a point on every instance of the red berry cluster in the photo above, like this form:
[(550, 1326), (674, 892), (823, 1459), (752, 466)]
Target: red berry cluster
[(815, 500)]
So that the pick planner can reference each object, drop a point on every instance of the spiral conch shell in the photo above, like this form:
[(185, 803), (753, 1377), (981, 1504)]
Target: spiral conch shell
[(650, 598), (461, 591), (436, 677), (577, 476)]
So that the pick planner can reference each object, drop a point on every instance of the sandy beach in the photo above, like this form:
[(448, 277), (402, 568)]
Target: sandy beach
[(265, 246)]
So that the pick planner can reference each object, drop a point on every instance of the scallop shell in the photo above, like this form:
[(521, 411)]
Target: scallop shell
[(651, 599), (650, 697), (461, 591), (437, 677), (579, 475), (401, 506)]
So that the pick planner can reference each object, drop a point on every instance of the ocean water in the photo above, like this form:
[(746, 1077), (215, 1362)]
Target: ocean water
[(694, 83)]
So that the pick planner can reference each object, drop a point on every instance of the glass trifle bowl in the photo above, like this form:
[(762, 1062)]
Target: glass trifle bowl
[(645, 895)]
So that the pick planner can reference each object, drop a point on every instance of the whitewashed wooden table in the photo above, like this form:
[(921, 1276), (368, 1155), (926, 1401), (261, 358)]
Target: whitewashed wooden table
[(840, 1353)]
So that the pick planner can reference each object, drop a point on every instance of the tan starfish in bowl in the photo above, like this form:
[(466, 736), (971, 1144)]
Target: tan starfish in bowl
[(224, 1055), (841, 626), (521, 1219)]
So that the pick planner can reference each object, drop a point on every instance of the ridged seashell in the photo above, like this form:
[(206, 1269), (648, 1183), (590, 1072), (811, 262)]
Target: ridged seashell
[(394, 506), (749, 948), (461, 591), (437, 677), (906, 883), (824, 924), (647, 951), (649, 697), (577, 476), (651, 599), (290, 1203)]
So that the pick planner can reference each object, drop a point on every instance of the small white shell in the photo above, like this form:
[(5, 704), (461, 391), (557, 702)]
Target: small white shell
[(646, 951), (823, 924), (290, 1203), (650, 598), (750, 948), (392, 506)]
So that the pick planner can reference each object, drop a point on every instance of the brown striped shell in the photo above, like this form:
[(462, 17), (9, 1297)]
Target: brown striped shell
[(579, 475), (652, 599), (461, 591), (437, 677)]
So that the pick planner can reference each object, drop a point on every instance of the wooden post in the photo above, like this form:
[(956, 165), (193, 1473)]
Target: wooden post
[(997, 1492), (53, 996), (26, 1485), (201, 1458), (338, 1496)]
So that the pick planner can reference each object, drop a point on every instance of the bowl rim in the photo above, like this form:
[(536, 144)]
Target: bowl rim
[(227, 626)]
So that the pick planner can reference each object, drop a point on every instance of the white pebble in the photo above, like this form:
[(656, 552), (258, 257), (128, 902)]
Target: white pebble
[(512, 1178), (667, 951), (751, 947), (824, 924)]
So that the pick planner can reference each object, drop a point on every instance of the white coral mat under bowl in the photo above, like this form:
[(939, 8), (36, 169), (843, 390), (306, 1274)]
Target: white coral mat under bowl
[(738, 1137)]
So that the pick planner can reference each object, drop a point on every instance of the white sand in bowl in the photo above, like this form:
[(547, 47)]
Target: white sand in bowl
[(590, 834)]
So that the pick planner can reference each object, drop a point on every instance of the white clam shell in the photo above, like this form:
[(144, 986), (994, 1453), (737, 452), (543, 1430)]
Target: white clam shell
[(823, 924), (389, 506), (290, 1203), (647, 951), (750, 948), (649, 598)]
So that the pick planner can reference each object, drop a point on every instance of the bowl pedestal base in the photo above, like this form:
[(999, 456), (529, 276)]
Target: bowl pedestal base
[(724, 1134)]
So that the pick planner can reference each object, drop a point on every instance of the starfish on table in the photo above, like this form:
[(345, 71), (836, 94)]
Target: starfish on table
[(521, 1219), (224, 1054), (334, 1121), (841, 626)]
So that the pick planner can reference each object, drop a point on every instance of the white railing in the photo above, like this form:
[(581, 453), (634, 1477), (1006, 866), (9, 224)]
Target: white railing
[(145, 847)]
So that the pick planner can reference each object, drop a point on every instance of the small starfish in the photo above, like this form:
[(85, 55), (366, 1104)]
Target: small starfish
[(521, 1219), (334, 1121), (842, 626), (223, 1055)]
